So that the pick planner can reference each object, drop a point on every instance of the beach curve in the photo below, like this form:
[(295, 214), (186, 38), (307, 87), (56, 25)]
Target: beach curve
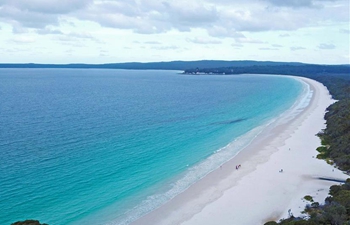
[(259, 191)]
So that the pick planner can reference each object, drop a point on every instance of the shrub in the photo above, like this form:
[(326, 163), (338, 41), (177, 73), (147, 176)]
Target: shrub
[(308, 198), (271, 223)]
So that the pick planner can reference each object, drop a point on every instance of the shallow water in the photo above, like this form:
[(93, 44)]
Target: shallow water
[(106, 146)]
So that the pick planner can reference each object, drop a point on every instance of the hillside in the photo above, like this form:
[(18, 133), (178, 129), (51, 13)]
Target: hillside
[(173, 65)]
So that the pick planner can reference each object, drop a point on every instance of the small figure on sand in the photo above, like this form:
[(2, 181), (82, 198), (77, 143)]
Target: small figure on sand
[(237, 167), (281, 171)]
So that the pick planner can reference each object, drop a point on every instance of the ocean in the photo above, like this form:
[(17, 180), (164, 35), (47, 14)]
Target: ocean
[(108, 146)]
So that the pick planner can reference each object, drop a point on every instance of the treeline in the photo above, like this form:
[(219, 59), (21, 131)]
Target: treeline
[(336, 137), (172, 65), (287, 69)]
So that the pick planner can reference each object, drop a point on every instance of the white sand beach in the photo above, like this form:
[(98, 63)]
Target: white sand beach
[(258, 192)]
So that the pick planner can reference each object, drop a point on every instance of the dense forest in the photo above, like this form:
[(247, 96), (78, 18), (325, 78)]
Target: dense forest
[(285, 69), (336, 137)]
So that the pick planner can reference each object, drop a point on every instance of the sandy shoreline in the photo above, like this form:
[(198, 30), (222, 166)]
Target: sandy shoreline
[(258, 192)]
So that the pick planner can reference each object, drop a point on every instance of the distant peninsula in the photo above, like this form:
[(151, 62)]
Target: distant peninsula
[(203, 67)]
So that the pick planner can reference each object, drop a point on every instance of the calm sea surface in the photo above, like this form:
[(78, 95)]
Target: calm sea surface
[(107, 146)]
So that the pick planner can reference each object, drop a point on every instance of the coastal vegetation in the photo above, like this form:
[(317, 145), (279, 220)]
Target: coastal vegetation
[(336, 137), (285, 69), (335, 211), (308, 198)]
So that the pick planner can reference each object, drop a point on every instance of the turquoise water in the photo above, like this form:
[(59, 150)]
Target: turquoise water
[(107, 146)]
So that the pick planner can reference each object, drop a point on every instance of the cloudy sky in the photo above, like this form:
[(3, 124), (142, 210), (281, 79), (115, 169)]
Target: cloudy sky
[(104, 31)]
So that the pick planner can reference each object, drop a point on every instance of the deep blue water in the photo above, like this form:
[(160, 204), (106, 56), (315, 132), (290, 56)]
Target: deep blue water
[(99, 146)]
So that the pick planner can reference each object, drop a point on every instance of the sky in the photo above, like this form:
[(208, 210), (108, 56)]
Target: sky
[(108, 31)]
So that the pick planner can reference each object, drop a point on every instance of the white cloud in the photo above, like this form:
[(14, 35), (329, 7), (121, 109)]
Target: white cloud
[(345, 31), (200, 40), (297, 48), (299, 3), (23, 40), (237, 45), (83, 35), (103, 53), (152, 42), (17, 29), (291, 3), (26, 18), (268, 49), (249, 40), (169, 47), (165, 25), (47, 30), (219, 18), (276, 46), (326, 46), (47, 7), (284, 35), (70, 41), (223, 31)]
